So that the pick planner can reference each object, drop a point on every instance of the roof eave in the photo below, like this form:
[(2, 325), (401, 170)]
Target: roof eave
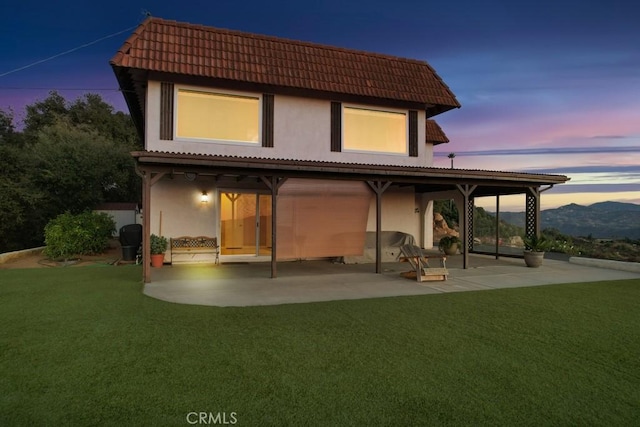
[(128, 88), (398, 172)]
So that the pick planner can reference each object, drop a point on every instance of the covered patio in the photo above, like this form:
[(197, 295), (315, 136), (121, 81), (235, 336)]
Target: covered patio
[(427, 183), (248, 284)]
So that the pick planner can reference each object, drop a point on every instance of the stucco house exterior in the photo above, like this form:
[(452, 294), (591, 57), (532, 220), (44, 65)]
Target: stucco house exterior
[(291, 150)]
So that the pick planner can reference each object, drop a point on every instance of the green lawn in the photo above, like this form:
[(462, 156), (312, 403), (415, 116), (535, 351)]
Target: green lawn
[(83, 346)]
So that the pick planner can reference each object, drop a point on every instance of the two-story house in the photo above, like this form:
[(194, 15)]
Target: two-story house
[(289, 150)]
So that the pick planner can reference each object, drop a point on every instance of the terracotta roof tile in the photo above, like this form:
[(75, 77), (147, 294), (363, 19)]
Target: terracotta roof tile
[(175, 47), (434, 133)]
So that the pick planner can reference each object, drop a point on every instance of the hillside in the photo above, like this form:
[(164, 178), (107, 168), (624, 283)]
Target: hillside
[(604, 220)]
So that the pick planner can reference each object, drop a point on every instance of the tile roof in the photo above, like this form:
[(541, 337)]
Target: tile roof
[(187, 49), (434, 133)]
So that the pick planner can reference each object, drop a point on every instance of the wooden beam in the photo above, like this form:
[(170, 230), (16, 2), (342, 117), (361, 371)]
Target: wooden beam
[(274, 183), (146, 226), (466, 191), (149, 177), (497, 227), (157, 177), (379, 187), (532, 212)]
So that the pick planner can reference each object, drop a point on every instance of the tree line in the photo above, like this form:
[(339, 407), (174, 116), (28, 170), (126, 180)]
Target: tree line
[(63, 157)]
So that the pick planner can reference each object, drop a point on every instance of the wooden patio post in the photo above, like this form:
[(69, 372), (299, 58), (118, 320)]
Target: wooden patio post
[(146, 226), (466, 191), (532, 213), (379, 187), (148, 179), (273, 183), (497, 226)]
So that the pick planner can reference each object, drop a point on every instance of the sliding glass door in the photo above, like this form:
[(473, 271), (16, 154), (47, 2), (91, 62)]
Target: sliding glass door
[(245, 224)]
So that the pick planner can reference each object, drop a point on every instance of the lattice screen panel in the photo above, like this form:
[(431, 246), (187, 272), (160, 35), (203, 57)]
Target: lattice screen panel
[(470, 210), (531, 216)]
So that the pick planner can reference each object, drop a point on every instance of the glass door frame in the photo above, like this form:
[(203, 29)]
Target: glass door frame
[(258, 194)]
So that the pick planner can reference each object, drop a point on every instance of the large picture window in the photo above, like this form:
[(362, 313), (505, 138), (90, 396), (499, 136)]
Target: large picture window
[(217, 116), (374, 130)]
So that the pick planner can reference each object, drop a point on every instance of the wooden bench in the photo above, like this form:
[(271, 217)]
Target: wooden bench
[(195, 245), (422, 272)]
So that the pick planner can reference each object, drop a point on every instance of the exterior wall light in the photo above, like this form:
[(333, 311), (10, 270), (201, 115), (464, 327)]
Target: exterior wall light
[(204, 198)]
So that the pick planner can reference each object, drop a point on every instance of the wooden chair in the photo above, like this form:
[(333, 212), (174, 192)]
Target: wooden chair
[(421, 271)]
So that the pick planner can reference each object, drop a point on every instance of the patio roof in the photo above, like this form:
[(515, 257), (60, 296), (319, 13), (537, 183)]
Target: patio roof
[(272, 173), (426, 179)]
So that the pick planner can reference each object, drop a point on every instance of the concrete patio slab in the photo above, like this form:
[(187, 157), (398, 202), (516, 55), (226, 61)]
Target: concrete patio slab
[(248, 284)]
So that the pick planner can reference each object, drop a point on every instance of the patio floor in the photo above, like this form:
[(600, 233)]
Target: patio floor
[(249, 284)]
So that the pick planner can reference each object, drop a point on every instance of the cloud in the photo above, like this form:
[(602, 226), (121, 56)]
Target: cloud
[(609, 137), (588, 169), (594, 188), (542, 151)]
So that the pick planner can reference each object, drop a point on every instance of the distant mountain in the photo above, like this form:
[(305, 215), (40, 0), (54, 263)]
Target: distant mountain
[(604, 220)]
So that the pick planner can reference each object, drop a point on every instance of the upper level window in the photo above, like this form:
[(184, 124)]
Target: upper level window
[(374, 131), (217, 116)]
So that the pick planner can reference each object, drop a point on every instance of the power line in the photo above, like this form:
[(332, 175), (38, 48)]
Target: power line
[(67, 51)]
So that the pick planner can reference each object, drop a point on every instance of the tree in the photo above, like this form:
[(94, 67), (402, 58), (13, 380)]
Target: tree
[(6, 125), (452, 156), (44, 113), (92, 112), (69, 157), (78, 168), (19, 198)]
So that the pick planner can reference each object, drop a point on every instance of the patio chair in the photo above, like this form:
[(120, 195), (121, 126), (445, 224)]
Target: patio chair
[(421, 271)]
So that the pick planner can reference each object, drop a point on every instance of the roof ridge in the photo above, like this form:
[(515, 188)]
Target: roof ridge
[(279, 39)]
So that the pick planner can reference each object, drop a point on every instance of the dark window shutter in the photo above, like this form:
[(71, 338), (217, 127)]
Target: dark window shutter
[(413, 133), (336, 126), (166, 111), (267, 120)]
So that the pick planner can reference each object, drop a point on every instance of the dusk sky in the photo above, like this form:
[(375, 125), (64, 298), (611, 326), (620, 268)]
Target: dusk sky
[(545, 87)]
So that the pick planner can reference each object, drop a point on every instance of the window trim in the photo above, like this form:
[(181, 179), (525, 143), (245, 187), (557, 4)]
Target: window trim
[(377, 109), (213, 91)]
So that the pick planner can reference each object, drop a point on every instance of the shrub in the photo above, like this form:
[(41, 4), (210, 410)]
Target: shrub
[(536, 243), (83, 234), (158, 244), (447, 241)]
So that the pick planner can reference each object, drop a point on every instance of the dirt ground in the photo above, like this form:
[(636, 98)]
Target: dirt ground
[(112, 255)]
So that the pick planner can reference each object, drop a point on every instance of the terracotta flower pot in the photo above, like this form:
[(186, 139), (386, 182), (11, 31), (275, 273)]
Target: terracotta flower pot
[(157, 260)]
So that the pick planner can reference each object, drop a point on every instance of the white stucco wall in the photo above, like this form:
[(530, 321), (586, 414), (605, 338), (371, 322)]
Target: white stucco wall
[(177, 209), (302, 129), (426, 222), (398, 213)]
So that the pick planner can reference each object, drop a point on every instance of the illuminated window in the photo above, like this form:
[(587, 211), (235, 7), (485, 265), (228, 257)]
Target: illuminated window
[(374, 130), (217, 116)]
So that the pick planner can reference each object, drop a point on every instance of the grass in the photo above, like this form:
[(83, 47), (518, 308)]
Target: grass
[(83, 346)]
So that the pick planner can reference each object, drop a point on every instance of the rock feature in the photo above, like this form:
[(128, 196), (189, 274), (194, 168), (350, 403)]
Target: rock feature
[(441, 228)]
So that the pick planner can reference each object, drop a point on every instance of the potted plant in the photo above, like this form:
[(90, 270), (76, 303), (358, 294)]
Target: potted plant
[(158, 247), (449, 245), (535, 246)]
